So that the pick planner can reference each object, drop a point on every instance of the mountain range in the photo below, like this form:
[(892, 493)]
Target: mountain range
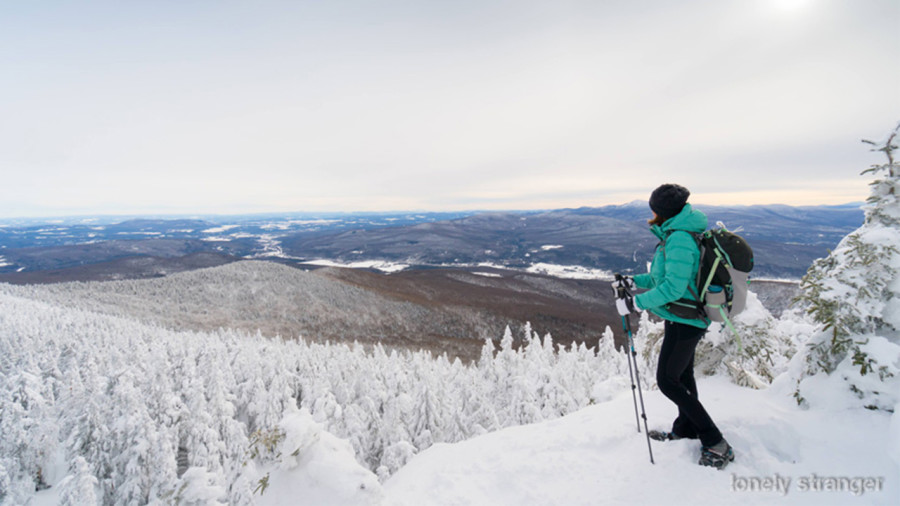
[(613, 238)]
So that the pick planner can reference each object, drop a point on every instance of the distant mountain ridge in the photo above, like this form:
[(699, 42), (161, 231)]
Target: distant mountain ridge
[(785, 239)]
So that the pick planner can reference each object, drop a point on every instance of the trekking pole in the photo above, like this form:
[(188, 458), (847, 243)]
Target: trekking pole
[(637, 419), (622, 292)]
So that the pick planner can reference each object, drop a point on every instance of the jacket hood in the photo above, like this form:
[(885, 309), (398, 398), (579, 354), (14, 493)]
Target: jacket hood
[(689, 220)]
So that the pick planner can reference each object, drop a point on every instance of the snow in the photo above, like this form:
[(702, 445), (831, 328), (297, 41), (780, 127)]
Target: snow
[(832, 452), (289, 224), (318, 467), (784, 454), (868, 389), (893, 439), (596, 456), (381, 265), (828, 451), (219, 230), (488, 265), (892, 311), (570, 271)]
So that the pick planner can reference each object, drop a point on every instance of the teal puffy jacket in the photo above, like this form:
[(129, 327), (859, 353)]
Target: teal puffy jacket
[(674, 266)]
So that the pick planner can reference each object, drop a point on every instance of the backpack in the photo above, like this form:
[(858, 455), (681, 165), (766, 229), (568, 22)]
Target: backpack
[(722, 279)]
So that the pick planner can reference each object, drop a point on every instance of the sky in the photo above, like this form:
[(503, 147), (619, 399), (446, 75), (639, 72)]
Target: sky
[(231, 106)]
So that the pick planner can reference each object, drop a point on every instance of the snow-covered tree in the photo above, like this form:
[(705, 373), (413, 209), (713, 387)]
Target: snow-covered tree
[(756, 352), (854, 294), (426, 418), (197, 487), (80, 487), (28, 431), (142, 453), (159, 416)]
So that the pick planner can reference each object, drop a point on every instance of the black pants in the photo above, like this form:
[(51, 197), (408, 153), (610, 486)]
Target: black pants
[(675, 377)]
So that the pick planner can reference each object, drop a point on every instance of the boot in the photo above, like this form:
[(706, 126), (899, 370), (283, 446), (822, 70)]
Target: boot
[(718, 455)]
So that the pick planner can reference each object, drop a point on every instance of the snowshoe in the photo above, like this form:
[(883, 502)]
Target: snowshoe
[(717, 456)]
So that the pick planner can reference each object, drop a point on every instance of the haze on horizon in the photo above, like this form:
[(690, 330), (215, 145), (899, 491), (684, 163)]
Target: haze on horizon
[(234, 107)]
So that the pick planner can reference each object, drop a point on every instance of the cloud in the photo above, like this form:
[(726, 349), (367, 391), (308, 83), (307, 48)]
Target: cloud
[(349, 105)]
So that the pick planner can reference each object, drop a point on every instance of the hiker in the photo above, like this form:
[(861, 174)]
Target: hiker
[(673, 269)]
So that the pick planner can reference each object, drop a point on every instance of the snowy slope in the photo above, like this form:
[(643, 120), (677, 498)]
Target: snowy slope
[(595, 456)]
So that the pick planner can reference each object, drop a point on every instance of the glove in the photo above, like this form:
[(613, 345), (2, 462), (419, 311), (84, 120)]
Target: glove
[(622, 282), (626, 306)]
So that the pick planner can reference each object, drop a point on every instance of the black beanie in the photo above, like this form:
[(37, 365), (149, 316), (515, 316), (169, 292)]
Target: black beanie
[(668, 200)]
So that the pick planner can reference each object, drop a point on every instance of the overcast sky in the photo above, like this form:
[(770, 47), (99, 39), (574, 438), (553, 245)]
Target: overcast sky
[(242, 106)]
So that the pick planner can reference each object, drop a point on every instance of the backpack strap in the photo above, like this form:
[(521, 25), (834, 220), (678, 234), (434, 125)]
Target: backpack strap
[(713, 269), (677, 307)]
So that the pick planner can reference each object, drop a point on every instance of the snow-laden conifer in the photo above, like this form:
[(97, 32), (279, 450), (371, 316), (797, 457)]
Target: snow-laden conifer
[(156, 413), (755, 353), (79, 487), (854, 295)]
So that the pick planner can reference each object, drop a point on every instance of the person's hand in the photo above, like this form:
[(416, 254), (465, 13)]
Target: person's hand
[(621, 281), (625, 305)]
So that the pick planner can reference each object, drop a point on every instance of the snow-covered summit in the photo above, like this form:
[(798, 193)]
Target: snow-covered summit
[(596, 456)]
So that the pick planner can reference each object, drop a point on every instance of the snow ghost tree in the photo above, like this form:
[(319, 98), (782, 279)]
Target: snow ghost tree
[(854, 294)]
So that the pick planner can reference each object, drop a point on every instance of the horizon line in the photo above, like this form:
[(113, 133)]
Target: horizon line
[(184, 214)]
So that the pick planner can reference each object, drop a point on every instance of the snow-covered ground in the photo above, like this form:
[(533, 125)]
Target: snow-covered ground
[(829, 451), (569, 271), (784, 455), (596, 456), (559, 271), (380, 265)]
